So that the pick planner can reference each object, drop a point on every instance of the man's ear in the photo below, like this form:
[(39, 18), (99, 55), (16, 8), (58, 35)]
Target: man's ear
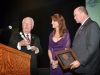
[(32, 26)]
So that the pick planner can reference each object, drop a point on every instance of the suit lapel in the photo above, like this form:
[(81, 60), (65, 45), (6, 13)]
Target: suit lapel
[(86, 22), (32, 39), (77, 32), (82, 27)]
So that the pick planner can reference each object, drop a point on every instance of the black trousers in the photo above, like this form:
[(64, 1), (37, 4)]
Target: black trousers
[(33, 68)]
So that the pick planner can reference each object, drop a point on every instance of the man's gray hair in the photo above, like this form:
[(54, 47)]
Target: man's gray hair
[(29, 18)]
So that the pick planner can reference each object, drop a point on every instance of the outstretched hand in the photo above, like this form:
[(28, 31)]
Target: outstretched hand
[(34, 48), (75, 64), (24, 43)]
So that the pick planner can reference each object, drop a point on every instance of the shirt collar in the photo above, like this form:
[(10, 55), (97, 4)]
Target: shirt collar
[(28, 34), (84, 21)]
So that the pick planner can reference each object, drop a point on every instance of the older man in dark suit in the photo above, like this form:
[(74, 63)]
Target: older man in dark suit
[(27, 42), (86, 44)]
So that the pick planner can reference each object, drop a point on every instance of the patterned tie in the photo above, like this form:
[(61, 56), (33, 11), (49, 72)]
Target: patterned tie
[(78, 30), (27, 37)]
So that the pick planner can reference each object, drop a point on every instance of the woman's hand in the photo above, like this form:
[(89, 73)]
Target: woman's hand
[(54, 64)]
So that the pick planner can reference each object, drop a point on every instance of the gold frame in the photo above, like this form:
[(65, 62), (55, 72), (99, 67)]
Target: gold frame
[(65, 57)]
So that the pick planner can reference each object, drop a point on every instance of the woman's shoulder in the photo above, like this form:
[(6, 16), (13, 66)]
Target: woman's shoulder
[(50, 35), (67, 32)]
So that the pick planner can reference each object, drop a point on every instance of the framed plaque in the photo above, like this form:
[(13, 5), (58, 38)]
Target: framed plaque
[(66, 57)]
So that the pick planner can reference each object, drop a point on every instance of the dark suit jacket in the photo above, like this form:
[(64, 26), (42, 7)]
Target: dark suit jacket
[(15, 38), (86, 47)]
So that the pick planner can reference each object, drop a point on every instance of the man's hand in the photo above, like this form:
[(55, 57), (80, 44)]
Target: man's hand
[(24, 43), (34, 48), (75, 64)]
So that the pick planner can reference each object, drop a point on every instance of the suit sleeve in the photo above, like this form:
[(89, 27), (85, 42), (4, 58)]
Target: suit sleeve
[(37, 44), (93, 37), (13, 41)]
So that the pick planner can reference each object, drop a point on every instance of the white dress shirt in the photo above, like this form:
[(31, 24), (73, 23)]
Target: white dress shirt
[(19, 47)]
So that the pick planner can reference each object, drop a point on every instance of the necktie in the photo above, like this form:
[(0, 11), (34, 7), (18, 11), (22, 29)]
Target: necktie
[(78, 30), (27, 37)]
